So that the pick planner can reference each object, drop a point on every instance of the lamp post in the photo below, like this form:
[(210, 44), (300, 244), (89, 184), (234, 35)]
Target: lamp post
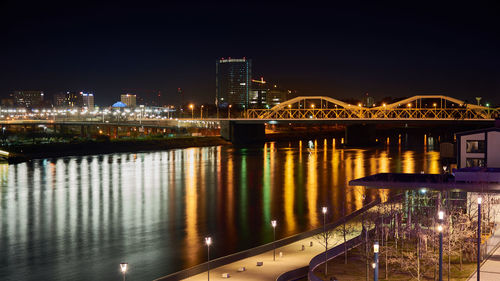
[(123, 269), (324, 210), (440, 229), (273, 224), (479, 201), (229, 111), (375, 261), (191, 106), (208, 241), (201, 114)]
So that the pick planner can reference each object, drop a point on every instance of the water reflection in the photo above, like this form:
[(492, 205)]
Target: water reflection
[(76, 218)]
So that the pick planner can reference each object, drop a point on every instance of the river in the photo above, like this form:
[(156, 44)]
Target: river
[(77, 218)]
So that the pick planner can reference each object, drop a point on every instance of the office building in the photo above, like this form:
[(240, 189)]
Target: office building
[(88, 100), (233, 78), (129, 100), (59, 100), (29, 99), (73, 99), (276, 95), (258, 93)]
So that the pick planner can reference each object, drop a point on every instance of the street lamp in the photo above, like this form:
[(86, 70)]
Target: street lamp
[(479, 201), (191, 106), (123, 268), (273, 224), (201, 116), (208, 241), (375, 260), (229, 111), (440, 230), (324, 210)]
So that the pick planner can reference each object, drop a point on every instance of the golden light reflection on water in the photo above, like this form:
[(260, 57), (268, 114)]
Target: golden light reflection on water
[(408, 161), (289, 192), (191, 201), (312, 185), (433, 162)]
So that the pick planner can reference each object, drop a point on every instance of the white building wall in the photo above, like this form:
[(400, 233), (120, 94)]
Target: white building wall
[(463, 148), (493, 149)]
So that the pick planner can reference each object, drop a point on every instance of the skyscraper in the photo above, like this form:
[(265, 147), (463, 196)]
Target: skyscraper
[(129, 100), (88, 100), (233, 78)]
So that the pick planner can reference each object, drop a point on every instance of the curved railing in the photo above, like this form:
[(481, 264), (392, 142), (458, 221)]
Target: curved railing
[(263, 248), (332, 253)]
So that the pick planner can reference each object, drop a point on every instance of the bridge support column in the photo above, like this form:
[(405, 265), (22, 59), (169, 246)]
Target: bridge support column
[(239, 133), (360, 135)]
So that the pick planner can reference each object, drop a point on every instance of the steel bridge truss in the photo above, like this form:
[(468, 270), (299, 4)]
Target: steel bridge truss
[(435, 107)]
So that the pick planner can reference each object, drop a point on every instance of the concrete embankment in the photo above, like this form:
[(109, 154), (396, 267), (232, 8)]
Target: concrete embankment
[(25, 152)]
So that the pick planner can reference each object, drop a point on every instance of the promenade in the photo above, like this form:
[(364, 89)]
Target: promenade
[(293, 257), (490, 269)]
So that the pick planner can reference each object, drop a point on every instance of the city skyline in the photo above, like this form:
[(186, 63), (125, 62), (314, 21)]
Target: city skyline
[(348, 51)]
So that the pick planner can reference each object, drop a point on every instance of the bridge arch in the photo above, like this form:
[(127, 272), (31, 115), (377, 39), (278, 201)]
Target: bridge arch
[(297, 100), (417, 98)]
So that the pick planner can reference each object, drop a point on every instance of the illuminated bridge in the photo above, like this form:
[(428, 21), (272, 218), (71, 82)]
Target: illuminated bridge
[(359, 121), (429, 107)]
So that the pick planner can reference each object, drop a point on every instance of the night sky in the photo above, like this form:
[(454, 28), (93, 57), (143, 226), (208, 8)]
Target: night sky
[(384, 48)]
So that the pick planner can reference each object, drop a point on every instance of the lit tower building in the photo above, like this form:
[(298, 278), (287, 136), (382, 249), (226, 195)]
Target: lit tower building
[(88, 100), (233, 78), (129, 100)]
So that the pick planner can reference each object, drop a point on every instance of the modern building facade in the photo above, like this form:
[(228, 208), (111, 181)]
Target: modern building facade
[(28, 99), (233, 79), (88, 100), (129, 99), (258, 93), (479, 148)]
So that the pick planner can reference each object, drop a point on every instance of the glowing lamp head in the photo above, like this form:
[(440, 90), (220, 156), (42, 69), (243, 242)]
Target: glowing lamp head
[(383, 104), (273, 223), (440, 228), (375, 247), (312, 105), (191, 106), (479, 200), (123, 267), (434, 104), (441, 215), (374, 265), (324, 210), (409, 105), (208, 241), (359, 104)]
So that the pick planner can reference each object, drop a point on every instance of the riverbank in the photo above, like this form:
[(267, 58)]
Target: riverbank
[(26, 152)]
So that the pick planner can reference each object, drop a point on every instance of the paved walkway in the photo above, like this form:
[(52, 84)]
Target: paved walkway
[(490, 270), (293, 257)]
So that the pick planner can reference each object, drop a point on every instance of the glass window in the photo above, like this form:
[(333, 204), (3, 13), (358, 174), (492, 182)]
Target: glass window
[(475, 146), (474, 162)]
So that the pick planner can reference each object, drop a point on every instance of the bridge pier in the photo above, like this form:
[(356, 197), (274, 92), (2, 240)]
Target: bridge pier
[(360, 135), (239, 133)]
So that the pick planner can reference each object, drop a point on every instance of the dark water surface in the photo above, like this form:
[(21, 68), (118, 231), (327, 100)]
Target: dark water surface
[(77, 218)]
